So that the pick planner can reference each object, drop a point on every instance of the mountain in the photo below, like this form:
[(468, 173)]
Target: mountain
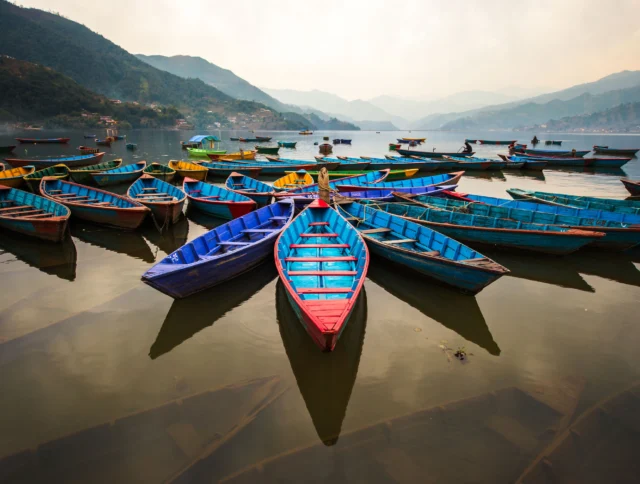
[(31, 92), (96, 63), (377, 126), (621, 118)]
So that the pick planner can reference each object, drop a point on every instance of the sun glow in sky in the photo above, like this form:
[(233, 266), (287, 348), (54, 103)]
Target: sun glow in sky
[(366, 48)]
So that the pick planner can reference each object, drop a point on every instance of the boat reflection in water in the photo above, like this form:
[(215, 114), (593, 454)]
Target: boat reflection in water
[(202, 219), (325, 380), (190, 315), (456, 311), (54, 259), (171, 238), (120, 241), (531, 174), (615, 266), (493, 175)]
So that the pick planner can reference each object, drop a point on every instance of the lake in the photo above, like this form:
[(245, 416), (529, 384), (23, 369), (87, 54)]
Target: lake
[(105, 379)]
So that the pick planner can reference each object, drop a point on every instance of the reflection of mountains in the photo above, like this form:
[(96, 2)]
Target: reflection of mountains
[(325, 380), (55, 259), (454, 310), (537, 267), (120, 241), (615, 266), (172, 237), (188, 316)]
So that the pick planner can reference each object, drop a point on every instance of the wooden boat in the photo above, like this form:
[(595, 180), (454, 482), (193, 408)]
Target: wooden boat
[(345, 141), (122, 174), (622, 231), (393, 174), (322, 262), (224, 170), (238, 155), (88, 150), (632, 186), (222, 253), (306, 132), (131, 146), (14, 177), (553, 142), (70, 161), (248, 140), (432, 154), (264, 139), (471, 141), (234, 139), (217, 201), (7, 149), (178, 433), (392, 163), (259, 192), (185, 169), (273, 169), (202, 152), (394, 146), (591, 162), (419, 140), (372, 195), (160, 171), (345, 164), (104, 142), (267, 150), (569, 153), (95, 205), (528, 163), (605, 150), (494, 142), (428, 164), (435, 180), (82, 175), (576, 201), (470, 163), (164, 200), (33, 215), (60, 172), (370, 177), (329, 165), (450, 219), (599, 446), (89, 136), (293, 180), (44, 140), (421, 249), (287, 144)]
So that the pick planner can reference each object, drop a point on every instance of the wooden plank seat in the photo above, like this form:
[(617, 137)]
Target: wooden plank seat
[(24, 212), (210, 197), (103, 204), (39, 215), (319, 246), (155, 194), (234, 243), (322, 273), (323, 290), (375, 231), (279, 217), (61, 195), (336, 258), (258, 231), (55, 191), (398, 241), (329, 235), (15, 207), (432, 253), (352, 219), (147, 189), (318, 224)]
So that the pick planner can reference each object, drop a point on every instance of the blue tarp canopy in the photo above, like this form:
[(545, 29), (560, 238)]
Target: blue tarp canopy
[(203, 137)]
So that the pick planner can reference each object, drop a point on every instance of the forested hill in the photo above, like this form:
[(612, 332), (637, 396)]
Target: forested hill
[(101, 66)]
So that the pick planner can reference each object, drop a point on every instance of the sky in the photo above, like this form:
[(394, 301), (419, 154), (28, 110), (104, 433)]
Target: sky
[(366, 48)]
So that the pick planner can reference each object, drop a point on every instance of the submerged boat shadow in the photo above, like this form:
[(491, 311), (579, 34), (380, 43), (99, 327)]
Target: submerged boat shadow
[(54, 259), (171, 238), (325, 380), (456, 311), (615, 266), (119, 241), (190, 315)]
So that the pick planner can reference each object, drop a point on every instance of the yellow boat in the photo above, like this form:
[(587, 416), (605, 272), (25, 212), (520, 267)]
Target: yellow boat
[(238, 155), (14, 177), (393, 174), (419, 140), (306, 131), (190, 170), (295, 179)]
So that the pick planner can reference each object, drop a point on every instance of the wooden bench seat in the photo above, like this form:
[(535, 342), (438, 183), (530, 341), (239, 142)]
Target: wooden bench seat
[(323, 290), (398, 241), (375, 231), (338, 258), (322, 273)]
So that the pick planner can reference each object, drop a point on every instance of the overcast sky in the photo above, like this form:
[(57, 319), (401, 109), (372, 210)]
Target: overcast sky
[(361, 49)]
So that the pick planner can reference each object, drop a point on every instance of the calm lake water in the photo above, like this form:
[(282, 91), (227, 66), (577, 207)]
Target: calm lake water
[(84, 343)]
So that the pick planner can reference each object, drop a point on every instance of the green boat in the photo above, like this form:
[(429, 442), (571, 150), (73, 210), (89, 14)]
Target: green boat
[(161, 172), (287, 144), (202, 153), (82, 174), (393, 174), (268, 150), (57, 171)]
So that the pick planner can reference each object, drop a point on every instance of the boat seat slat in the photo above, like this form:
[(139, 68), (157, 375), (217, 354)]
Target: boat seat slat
[(234, 243), (24, 212), (433, 253), (329, 235), (279, 217), (317, 224), (209, 197), (323, 290), (319, 246), (322, 273), (351, 219), (258, 231), (399, 241), (375, 231), (15, 207), (344, 258), (39, 215), (149, 188)]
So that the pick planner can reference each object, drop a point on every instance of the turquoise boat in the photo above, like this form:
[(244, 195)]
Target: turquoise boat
[(287, 144), (435, 180), (576, 201), (464, 162), (421, 249), (383, 163), (346, 165), (259, 192), (493, 231), (122, 174), (217, 201), (570, 153), (163, 199), (430, 164), (82, 174), (219, 169)]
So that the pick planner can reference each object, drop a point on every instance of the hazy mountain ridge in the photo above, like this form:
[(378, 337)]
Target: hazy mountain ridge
[(621, 118)]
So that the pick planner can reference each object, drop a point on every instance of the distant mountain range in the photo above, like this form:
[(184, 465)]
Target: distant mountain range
[(621, 118)]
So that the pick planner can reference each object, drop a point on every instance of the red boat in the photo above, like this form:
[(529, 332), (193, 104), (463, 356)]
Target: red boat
[(44, 140), (88, 150)]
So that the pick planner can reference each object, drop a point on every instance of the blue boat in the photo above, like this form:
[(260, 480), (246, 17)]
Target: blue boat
[(132, 146), (32, 215), (256, 190), (222, 253), (396, 164), (430, 164), (329, 165), (576, 201), (421, 249), (122, 174), (570, 153), (451, 220), (346, 165), (464, 162), (216, 201), (435, 180), (163, 199), (345, 141), (357, 180), (220, 169), (622, 230), (605, 150), (322, 262), (272, 168)]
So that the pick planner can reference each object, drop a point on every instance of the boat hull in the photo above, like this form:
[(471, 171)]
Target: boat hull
[(633, 187), (223, 210), (52, 230), (45, 163), (106, 179), (44, 140)]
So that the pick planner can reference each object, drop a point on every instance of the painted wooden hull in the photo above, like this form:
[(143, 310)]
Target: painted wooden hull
[(569, 153), (224, 207), (563, 161), (240, 155), (119, 175), (61, 172), (102, 142), (292, 181), (259, 192), (161, 172), (83, 175), (14, 178), (613, 151), (369, 178), (275, 169), (492, 142), (122, 212), (70, 161), (633, 187), (44, 140), (85, 150), (528, 163), (189, 170), (164, 200), (431, 154), (287, 144), (594, 203), (486, 163), (436, 180), (224, 170), (51, 227), (323, 299), (268, 150), (182, 273), (393, 174), (329, 165)]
